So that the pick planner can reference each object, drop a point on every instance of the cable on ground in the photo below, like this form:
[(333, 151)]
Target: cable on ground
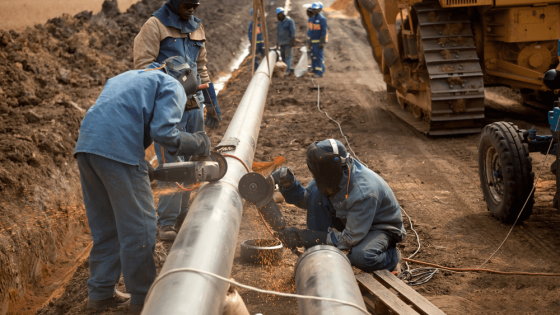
[(526, 201), (248, 287)]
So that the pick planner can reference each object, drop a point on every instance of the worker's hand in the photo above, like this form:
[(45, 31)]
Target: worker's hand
[(322, 42), (283, 177), (290, 237), (150, 170), (204, 143), (292, 42), (213, 116)]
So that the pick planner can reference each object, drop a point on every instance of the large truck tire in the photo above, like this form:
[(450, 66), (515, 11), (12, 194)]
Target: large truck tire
[(506, 172)]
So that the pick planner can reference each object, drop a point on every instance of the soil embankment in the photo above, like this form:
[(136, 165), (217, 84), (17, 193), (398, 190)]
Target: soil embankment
[(53, 73)]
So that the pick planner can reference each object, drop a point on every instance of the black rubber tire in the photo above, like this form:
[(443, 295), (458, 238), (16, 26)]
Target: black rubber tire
[(505, 140)]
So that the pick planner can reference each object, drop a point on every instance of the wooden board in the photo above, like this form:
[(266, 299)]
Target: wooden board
[(383, 295)]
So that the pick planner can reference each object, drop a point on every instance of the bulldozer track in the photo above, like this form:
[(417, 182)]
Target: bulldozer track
[(456, 80)]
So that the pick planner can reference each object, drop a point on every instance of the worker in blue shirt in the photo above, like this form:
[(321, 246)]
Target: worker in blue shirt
[(316, 39), (348, 206), (285, 37), (134, 109), (173, 30), (260, 40)]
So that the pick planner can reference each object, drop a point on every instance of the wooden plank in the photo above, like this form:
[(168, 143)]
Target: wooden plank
[(421, 304), (384, 295)]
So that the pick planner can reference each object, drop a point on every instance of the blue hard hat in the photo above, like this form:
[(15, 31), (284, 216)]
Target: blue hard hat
[(315, 6), (320, 4), (280, 10)]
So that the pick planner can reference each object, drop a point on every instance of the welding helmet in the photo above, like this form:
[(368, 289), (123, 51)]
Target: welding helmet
[(280, 10), (325, 160), (551, 79), (315, 6), (178, 67)]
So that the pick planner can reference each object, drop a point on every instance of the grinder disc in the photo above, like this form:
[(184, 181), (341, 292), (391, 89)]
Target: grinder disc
[(217, 157), (254, 187)]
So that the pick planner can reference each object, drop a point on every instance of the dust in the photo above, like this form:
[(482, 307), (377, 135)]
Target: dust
[(452, 29)]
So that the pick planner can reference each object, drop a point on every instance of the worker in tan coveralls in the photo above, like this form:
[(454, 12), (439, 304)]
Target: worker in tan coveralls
[(173, 30)]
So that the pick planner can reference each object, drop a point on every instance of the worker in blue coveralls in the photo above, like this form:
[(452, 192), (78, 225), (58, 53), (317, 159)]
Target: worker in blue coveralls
[(134, 109), (348, 206), (260, 40), (316, 39), (285, 37), (173, 30)]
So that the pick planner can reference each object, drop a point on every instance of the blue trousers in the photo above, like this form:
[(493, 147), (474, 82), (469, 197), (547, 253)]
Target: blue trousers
[(122, 219), (317, 58), (375, 252), (173, 206), (286, 52), (260, 51)]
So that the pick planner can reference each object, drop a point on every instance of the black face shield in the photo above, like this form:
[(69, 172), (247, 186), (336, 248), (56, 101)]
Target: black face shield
[(326, 168)]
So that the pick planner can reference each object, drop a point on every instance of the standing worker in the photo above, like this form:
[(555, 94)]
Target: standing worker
[(285, 37), (316, 39), (173, 30), (134, 109), (348, 206), (260, 40)]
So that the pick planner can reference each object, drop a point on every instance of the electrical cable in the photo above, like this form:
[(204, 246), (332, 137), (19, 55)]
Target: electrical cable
[(526, 201), (248, 287)]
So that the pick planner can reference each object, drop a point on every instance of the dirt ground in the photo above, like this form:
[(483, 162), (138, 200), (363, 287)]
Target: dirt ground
[(435, 180)]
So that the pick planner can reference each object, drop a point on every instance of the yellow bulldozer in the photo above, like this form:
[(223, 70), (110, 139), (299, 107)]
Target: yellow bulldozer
[(437, 56)]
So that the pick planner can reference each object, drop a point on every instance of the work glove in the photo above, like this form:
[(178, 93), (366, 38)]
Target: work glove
[(204, 143), (283, 177), (213, 112), (322, 43), (290, 237), (150, 170), (292, 42)]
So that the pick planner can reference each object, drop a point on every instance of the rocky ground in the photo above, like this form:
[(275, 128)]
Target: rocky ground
[(434, 179)]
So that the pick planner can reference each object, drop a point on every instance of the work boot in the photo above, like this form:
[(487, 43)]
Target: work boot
[(317, 76), (398, 268), (167, 233), (135, 308), (118, 299)]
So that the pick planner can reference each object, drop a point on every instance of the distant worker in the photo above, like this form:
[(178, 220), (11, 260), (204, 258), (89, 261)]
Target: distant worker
[(285, 37), (134, 109), (173, 30), (348, 206), (260, 40), (316, 39)]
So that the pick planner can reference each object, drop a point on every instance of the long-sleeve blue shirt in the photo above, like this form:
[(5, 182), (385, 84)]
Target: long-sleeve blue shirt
[(259, 33), (370, 205), (316, 28), (286, 30), (134, 109)]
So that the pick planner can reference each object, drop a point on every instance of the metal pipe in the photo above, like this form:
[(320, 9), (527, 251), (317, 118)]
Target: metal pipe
[(208, 236), (325, 271)]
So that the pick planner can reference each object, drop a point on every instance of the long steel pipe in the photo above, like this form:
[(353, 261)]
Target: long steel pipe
[(325, 271), (208, 237)]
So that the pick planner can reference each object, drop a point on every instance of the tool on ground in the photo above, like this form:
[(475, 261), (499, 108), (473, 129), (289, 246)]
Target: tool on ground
[(207, 169)]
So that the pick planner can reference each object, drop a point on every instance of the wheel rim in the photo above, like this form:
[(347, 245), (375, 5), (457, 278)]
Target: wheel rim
[(494, 175)]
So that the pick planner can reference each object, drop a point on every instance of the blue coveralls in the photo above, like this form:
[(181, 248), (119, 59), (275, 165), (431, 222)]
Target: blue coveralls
[(134, 109), (286, 30), (260, 42), (173, 207), (317, 29), (368, 222)]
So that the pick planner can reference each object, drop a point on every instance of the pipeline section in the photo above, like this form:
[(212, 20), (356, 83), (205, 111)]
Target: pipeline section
[(207, 239), (324, 271)]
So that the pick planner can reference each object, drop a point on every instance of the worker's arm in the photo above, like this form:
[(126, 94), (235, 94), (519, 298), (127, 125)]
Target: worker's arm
[(146, 44), (358, 223), (168, 110), (201, 63), (290, 188), (292, 29), (324, 27)]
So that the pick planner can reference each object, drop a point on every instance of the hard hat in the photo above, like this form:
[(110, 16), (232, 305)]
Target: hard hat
[(320, 4), (315, 6), (280, 10), (192, 1)]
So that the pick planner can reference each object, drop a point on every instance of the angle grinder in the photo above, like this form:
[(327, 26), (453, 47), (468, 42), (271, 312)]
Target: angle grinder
[(199, 169), (259, 190)]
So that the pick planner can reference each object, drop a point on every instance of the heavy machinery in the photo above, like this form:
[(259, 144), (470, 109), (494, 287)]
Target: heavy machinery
[(439, 55), (505, 166)]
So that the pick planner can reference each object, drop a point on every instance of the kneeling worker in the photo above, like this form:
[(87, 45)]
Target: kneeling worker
[(134, 109), (348, 206)]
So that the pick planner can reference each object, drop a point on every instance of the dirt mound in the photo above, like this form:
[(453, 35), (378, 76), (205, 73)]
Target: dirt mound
[(346, 6), (52, 74)]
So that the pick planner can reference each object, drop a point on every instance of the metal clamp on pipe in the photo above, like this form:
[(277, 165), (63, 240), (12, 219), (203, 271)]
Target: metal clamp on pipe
[(325, 271)]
